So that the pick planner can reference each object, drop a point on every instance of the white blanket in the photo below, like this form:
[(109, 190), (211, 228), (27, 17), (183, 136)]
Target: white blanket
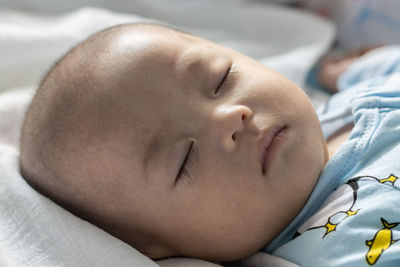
[(36, 232)]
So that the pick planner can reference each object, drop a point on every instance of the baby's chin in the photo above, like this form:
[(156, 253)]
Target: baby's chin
[(226, 250)]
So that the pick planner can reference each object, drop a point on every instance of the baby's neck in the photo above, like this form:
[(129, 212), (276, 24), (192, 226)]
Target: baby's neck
[(338, 138)]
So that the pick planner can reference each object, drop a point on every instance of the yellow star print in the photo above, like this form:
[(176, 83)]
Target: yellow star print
[(390, 179), (351, 213), (330, 227)]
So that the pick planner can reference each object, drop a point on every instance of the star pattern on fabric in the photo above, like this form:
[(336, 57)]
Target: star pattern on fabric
[(383, 238), (329, 228), (351, 213), (391, 179)]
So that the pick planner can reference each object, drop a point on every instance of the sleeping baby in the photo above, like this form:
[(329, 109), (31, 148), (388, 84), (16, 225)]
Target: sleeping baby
[(181, 147)]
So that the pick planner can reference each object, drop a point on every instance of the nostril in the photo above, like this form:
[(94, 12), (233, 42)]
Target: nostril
[(234, 136), (243, 117)]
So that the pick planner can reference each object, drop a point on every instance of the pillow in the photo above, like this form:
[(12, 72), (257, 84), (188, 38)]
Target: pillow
[(34, 231)]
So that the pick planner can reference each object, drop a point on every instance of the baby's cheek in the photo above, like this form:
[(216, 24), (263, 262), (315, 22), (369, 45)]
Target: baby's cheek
[(235, 240)]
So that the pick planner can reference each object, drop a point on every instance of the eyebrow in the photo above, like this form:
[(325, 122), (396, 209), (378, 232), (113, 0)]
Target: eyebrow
[(151, 151)]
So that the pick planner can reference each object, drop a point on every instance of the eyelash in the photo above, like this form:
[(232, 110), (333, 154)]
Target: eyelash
[(187, 162), (226, 76)]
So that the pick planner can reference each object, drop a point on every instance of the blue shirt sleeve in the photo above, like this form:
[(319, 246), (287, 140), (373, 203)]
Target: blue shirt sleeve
[(371, 70), (373, 66)]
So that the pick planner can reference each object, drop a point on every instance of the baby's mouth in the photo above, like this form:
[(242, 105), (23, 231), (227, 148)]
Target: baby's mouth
[(270, 143)]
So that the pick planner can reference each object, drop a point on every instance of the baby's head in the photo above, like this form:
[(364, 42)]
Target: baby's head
[(172, 143)]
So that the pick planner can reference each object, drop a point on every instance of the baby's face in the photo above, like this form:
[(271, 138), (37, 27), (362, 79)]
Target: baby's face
[(227, 151)]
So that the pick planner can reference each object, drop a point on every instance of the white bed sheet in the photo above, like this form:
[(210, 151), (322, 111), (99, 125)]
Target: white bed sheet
[(36, 232)]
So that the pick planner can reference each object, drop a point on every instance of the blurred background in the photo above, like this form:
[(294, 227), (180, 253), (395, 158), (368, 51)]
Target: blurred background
[(289, 36), (358, 22)]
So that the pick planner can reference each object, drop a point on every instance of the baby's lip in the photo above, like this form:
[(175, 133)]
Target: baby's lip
[(269, 145)]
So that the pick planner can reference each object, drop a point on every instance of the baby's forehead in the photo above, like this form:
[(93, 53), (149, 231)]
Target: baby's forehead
[(161, 52), (153, 61), (158, 44)]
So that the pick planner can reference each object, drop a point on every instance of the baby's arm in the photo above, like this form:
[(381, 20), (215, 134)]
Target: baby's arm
[(332, 67), (374, 67)]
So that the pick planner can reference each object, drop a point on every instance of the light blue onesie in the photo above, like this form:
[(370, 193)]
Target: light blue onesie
[(352, 218)]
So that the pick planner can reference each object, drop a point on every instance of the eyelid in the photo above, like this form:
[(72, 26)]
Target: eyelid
[(183, 167), (226, 75)]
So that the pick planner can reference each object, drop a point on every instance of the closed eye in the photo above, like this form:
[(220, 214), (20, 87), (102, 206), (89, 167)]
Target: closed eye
[(183, 170), (228, 71)]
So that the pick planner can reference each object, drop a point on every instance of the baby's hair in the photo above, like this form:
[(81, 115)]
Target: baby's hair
[(69, 127), (102, 33)]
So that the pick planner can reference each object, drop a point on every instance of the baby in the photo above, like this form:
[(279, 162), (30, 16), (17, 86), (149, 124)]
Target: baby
[(172, 143)]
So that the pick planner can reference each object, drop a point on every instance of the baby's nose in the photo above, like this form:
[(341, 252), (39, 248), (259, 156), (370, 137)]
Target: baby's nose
[(229, 122)]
